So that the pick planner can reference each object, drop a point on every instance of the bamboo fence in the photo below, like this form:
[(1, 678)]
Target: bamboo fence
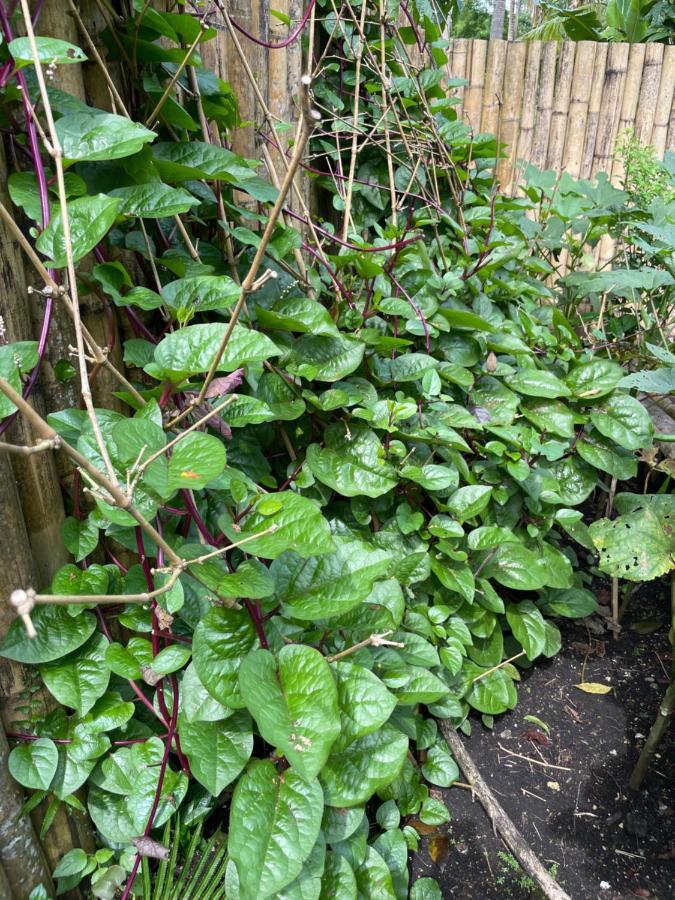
[(563, 106)]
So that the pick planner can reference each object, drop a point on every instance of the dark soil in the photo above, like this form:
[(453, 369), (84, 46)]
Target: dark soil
[(600, 840)]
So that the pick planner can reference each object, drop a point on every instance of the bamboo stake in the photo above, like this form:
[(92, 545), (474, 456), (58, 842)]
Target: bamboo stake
[(664, 101), (514, 78), (528, 110), (494, 86), (649, 91), (545, 104), (458, 69), (629, 103), (578, 108), (561, 102), (473, 93), (593, 115)]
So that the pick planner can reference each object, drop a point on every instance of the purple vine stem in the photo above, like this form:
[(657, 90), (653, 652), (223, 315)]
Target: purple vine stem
[(293, 36)]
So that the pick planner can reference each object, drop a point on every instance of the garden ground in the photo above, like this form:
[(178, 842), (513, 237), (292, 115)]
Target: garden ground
[(571, 802)]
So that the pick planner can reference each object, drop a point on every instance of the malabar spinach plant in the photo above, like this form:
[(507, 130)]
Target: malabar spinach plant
[(345, 497)]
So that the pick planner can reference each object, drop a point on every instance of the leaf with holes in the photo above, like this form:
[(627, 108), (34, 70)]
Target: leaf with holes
[(638, 546)]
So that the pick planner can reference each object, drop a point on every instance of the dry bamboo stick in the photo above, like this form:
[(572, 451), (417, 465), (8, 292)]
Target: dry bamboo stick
[(664, 101), (629, 102), (514, 78), (528, 112), (545, 104), (458, 69), (617, 62), (580, 95), (649, 91), (494, 86), (473, 93), (593, 115), (561, 103)]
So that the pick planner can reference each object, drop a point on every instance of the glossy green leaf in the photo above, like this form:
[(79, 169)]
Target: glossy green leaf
[(57, 635), (90, 219), (200, 293), (516, 567), (537, 383), (365, 703), (468, 501), (338, 881), (298, 314), (217, 751), (196, 460), (196, 160), (373, 878), (274, 823), (79, 679), (33, 763), (351, 464), (100, 136), (439, 767), (221, 640), (624, 419), (294, 701), (527, 624), (49, 51), (353, 774), (80, 536), (153, 200), (588, 381)]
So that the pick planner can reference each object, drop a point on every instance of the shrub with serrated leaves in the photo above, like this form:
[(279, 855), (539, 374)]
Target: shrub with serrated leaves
[(411, 436)]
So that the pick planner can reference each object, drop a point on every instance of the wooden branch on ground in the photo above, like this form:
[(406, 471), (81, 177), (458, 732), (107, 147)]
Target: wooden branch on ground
[(500, 821)]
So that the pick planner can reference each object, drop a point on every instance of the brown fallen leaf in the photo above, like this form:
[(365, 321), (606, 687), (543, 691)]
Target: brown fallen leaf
[(439, 847), (593, 687)]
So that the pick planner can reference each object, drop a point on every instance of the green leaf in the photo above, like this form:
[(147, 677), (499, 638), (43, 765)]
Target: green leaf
[(597, 452), (274, 823), (431, 477), (191, 350), (468, 501), (109, 712), (439, 767), (14, 359), (217, 751), (624, 419), (419, 686), (493, 694), (352, 464), (57, 635), (201, 293), (329, 585), (220, 641), (588, 381), (79, 679), (373, 878), (153, 200), (316, 357), (294, 702), (537, 383), (33, 763), (80, 536), (71, 863), (121, 662), (297, 314), (171, 659), (49, 51), (528, 627), (365, 703), (516, 567), (197, 705), (573, 603), (554, 418), (425, 889), (353, 774), (638, 546), (298, 521), (90, 219), (100, 136), (183, 161), (490, 536), (338, 881), (197, 459), (251, 580)]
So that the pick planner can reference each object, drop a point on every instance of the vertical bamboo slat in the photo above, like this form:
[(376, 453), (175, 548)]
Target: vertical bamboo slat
[(510, 112), (610, 106), (494, 85), (649, 91), (473, 93), (593, 117), (561, 102), (544, 105), (664, 101), (457, 68), (577, 116), (528, 111), (629, 102)]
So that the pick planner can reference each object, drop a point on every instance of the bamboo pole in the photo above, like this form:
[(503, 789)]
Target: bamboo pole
[(458, 68), (664, 101), (514, 78), (561, 103), (580, 95), (528, 111), (670, 141), (629, 103), (23, 862), (544, 105), (494, 86), (610, 107), (649, 91), (593, 115), (473, 93)]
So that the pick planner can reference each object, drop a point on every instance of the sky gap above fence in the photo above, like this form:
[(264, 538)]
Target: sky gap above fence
[(562, 105)]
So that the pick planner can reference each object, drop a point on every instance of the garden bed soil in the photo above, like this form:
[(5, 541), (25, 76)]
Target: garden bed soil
[(599, 839)]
